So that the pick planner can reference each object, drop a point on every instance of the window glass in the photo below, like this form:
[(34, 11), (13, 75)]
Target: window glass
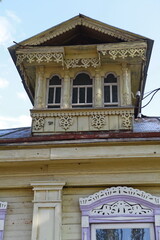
[(54, 92), (126, 231), (89, 95), (82, 91), (110, 79), (51, 95), (110, 90), (114, 94), (107, 94)]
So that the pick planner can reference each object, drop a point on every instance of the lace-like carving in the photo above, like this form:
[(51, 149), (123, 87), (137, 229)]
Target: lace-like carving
[(123, 53), (38, 123), (40, 57), (115, 191), (127, 120), (82, 62), (121, 208), (65, 122), (98, 120)]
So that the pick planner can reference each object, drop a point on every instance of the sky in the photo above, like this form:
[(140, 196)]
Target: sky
[(20, 19)]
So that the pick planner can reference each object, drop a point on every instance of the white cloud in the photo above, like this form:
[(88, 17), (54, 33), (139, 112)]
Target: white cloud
[(22, 95), (13, 16), (3, 83), (5, 30), (8, 25), (13, 122)]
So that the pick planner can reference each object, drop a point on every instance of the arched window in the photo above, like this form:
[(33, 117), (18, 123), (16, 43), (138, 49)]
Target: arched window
[(82, 91), (54, 92), (110, 90)]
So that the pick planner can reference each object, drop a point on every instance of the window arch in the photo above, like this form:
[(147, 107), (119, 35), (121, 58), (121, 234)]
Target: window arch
[(120, 213), (54, 92), (110, 90), (82, 91)]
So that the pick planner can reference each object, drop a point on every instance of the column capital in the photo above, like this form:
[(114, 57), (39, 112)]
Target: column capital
[(47, 191)]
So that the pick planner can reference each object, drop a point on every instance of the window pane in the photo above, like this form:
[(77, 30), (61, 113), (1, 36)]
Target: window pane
[(114, 94), (89, 95), (107, 94), (74, 95), (55, 80), (110, 79), (82, 95), (51, 95), (82, 79), (123, 234), (58, 95)]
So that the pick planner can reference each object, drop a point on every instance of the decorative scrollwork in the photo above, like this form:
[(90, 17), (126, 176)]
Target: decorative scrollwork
[(40, 57), (66, 121), (121, 208), (38, 123), (117, 191), (127, 120), (124, 53), (82, 62), (98, 120)]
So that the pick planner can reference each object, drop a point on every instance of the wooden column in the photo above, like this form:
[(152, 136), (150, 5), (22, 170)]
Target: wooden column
[(66, 97), (98, 90), (40, 88), (47, 210), (126, 97)]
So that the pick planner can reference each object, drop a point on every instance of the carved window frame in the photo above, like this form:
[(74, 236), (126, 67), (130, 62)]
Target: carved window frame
[(3, 210), (119, 205), (78, 104), (110, 85), (54, 86)]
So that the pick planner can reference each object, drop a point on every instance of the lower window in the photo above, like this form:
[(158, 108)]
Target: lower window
[(125, 231)]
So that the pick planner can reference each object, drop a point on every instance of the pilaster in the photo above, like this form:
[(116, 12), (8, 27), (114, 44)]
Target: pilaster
[(126, 75), (40, 88), (98, 89), (47, 210), (66, 91)]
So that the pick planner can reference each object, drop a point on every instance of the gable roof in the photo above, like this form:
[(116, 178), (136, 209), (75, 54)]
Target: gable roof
[(81, 25)]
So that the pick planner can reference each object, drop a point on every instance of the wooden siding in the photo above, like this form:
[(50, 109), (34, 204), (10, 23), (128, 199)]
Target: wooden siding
[(18, 222)]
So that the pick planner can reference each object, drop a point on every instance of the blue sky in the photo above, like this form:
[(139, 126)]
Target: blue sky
[(20, 20)]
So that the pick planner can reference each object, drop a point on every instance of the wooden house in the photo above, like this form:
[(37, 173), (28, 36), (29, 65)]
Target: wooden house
[(89, 166)]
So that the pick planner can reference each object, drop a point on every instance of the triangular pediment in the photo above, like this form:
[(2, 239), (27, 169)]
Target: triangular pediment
[(81, 30)]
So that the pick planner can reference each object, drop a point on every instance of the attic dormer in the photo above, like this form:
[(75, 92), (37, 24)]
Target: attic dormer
[(83, 75)]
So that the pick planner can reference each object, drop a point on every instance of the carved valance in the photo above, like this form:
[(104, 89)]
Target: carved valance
[(123, 50)]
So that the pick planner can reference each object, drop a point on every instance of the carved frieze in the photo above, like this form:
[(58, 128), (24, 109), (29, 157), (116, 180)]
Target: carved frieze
[(124, 53), (40, 57), (121, 208), (92, 119), (82, 62)]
